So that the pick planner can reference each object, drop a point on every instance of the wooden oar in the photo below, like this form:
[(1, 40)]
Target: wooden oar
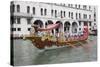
[(81, 44), (72, 45)]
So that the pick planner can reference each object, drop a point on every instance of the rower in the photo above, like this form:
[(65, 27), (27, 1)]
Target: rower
[(34, 30)]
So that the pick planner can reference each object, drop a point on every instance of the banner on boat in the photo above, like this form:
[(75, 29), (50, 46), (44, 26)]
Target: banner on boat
[(49, 27)]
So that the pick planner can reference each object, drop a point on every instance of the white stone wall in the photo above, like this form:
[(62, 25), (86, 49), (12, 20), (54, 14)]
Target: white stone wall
[(44, 19)]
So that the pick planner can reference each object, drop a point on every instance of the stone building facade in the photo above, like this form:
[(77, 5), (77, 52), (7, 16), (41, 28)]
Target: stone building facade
[(72, 17)]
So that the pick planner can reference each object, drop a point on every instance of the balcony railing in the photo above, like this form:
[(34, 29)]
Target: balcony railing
[(20, 14), (85, 19)]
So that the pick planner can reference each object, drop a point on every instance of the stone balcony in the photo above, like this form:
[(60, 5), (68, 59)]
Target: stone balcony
[(20, 14), (85, 20)]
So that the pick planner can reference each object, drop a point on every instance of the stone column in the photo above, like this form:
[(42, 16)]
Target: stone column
[(70, 30), (54, 31), (44, 25), (82, 26), (63, 28)]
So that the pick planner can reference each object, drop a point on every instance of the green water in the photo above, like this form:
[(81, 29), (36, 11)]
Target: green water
[(26, 54)]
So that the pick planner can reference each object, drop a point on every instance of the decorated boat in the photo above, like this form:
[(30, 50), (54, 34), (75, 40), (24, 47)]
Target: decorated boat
[(46, 40)]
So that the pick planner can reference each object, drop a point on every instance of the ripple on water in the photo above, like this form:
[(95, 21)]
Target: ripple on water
[(26, 54)]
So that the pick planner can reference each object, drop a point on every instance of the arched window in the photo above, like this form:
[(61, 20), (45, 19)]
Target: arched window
[(13, 20), (80, 23), (59, 29), (89, 16), (71, 5), (45, 11), (39, 23), (85, 16), (68, 5), (76, 6), (55, 13), (28, 9), (79, 15), (90, 24), (28, 21), (69, 14), (76, 15), (66, 26), (12, 8), (41, 11), (89, 7), (33, 10), (64, 14), (74, 27), (52, 12), (79, 6), (72, 15), (84, 7), (61, 14), (18, 8)]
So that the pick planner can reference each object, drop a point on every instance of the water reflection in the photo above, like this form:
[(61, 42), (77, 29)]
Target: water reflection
[(49, 55), (26, 54)]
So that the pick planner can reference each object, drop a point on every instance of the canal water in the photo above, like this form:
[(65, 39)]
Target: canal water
[(27, 54)]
